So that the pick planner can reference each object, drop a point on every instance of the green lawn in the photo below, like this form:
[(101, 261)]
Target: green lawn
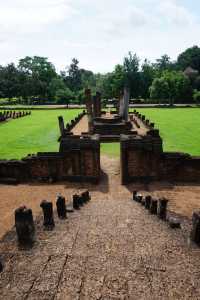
[(179, 128), (111, 149), (31, 134)]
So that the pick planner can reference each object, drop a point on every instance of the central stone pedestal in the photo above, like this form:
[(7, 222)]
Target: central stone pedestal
[(110, 129)]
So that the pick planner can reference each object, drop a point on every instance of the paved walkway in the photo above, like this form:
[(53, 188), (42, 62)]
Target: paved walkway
[(110, 249), (81, 126)]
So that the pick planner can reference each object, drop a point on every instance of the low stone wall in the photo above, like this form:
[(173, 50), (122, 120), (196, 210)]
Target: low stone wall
[(180, 167), (143, 159), (146, 122), (9, 114), (77, 160), (67, 130), (75, 121)]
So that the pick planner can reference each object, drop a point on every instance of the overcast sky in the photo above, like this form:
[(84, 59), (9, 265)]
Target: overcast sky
[(97, 32)]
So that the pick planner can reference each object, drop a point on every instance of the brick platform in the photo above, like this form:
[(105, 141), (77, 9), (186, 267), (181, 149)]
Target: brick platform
[(110, 249)]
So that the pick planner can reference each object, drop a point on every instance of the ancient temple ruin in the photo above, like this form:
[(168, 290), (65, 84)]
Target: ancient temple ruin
[(142, 157), (109, 127)]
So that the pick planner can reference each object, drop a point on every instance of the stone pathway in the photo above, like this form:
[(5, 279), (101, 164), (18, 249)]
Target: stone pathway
[(81, 126), (110, 249)]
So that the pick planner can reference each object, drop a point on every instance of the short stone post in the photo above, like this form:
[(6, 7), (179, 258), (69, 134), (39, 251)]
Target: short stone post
[(1, 267), (88, 103), (98, 97), (153, 206), (88, 195), (85, 196), (80, 200), (84, 199), (126, 103), (139, 198), (162, 208), (76, 201), (134, 195), (68, 127), (174, 222), (61, 125), (154, 132), (195, 233), (147, 202), (61, 207), (47, 208), (24, 225)]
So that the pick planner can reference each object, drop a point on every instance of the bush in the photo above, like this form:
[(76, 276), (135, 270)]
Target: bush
[(63, 96), (172, 86), (196, 96), (80, 99)]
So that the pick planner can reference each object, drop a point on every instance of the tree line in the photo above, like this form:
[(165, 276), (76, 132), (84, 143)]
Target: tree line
[(35, 80)]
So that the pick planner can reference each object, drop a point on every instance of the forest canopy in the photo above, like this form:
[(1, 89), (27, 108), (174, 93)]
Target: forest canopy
[(35, 80)]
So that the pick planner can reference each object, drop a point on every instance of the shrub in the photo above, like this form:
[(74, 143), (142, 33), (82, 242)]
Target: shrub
[(196, 96), (63, 96)]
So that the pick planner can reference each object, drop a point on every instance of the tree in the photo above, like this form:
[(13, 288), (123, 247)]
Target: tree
[(196, 96), (164, 63), (104, 83), (159, 89), (132, 78), (87, 79), (189, 58), (196, 83), (63, 96), (9, 81), (39, 74), (179, 85), (73, 79), (146, 76), (118, 80), (173, 86), (55, 85)]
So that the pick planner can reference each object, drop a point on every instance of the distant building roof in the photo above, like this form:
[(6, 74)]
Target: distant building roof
[(190, 72)]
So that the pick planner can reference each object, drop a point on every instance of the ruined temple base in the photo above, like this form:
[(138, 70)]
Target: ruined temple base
[(112, 248), (183, 198)]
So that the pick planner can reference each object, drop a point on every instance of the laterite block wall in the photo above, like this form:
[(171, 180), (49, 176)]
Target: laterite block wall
[(77, 160), (142, 158)]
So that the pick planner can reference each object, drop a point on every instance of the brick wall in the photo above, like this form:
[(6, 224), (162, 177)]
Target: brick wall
[(142, 158), (77, 160)]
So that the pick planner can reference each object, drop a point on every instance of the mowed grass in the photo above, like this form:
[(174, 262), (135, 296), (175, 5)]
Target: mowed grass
[(111, 149), (179, 128), (32, 134), (37, 133)]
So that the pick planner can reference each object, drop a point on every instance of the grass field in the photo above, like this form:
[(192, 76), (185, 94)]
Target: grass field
[(180, 129), (111, 149), (31, 134)]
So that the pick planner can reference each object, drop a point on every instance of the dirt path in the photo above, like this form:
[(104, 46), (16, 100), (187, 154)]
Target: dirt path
[(81, 126), (183, 199), (110, 249)]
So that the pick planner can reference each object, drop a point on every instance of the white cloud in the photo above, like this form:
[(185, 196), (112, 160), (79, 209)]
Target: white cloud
[(99, 33), (21, 16), (175, 13)]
